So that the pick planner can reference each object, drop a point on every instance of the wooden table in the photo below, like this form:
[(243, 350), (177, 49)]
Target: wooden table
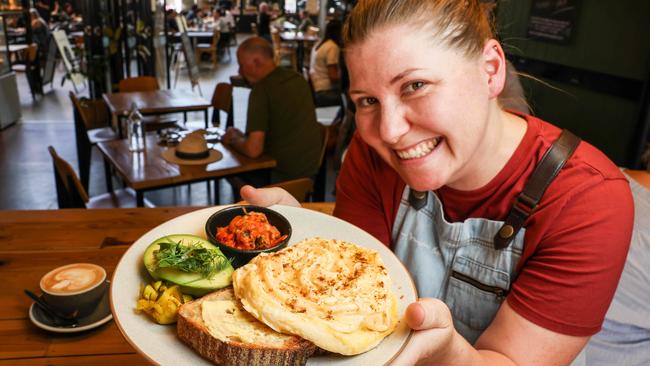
[(148, 170), (34, 242), (14, 48), (299, 38), (155, 102)]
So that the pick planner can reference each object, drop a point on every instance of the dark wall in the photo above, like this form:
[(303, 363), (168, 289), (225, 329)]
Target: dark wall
[(598, 79)]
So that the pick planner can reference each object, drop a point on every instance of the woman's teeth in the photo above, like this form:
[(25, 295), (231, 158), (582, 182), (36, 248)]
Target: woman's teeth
[(419, 150)]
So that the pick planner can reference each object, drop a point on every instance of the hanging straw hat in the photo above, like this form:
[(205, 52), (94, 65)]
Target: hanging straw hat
[(192, 150)]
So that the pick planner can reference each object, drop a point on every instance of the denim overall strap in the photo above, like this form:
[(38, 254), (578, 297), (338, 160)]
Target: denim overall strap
[(544, 173)]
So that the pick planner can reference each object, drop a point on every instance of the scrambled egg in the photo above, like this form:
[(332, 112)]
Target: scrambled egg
[(330, 292)]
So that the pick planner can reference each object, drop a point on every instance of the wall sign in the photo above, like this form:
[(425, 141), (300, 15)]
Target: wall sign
[(552, 20)]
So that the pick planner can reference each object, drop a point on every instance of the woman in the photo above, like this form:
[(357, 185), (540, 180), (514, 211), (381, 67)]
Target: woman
[(40, 34), (324, 66), (437, 169), (625, 337)]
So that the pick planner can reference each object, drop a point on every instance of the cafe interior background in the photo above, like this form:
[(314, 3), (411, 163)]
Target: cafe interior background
[(586, 69)]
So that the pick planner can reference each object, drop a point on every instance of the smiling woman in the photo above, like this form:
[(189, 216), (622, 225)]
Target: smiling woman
[(452, 162), (514, 231)]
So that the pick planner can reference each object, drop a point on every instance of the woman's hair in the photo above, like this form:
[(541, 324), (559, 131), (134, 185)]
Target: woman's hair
[(461, 24), (333, 32)]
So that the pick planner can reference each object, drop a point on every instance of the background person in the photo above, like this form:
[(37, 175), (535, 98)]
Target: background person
[(625, 337), (44, 8), (264, 21), (434, 170), (40, 34), (324, 68), (281, 119), (304, 21)]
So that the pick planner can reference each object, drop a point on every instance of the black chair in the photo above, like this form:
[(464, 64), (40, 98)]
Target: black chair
[(71, 193), (32, 69), (222, 101), (91, 127)]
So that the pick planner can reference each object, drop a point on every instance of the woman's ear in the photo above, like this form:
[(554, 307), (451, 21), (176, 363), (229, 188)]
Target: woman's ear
[(494, 64)]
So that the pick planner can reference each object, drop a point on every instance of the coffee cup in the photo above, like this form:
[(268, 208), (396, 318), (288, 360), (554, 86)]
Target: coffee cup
[(74, 289)]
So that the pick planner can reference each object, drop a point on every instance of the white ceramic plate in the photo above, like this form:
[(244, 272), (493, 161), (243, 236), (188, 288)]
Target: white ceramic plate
[(159, 343)]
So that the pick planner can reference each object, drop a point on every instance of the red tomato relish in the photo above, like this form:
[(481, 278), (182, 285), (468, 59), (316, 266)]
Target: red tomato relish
[(250, 231)]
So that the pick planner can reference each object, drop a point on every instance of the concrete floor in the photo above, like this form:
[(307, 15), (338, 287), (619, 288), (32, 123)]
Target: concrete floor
[(26, 172)]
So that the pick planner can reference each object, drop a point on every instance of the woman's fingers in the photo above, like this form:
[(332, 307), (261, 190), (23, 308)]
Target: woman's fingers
[(428, 313), (267, 196), (433, 333)]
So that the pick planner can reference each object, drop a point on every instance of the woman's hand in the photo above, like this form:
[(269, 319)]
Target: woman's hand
[(434, 332), (267, 196)]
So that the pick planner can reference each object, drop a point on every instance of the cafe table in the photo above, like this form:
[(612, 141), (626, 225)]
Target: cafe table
[(34, 242), (147, 170), (299, 38), (154, 102)]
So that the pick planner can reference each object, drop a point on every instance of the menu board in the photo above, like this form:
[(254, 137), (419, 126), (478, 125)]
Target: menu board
[(188, 51), (552, 20), (67, 55)]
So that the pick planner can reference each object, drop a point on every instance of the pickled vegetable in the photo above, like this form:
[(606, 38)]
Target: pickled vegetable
[(161, 301)]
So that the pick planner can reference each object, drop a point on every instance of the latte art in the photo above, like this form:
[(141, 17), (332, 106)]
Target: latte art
[(72, 278)]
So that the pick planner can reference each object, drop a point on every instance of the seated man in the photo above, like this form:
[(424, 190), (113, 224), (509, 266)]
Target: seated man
[(281, 117)]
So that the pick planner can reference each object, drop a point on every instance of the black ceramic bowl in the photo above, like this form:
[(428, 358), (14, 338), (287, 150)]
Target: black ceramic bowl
[(223, 217)]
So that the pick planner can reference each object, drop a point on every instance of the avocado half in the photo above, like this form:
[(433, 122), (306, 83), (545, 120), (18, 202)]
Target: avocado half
[(190, 283)]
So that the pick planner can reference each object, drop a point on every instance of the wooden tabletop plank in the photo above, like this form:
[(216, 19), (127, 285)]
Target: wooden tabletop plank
[(149, 170), (21, 339), (45, 230), (155, 102), (95, 360)]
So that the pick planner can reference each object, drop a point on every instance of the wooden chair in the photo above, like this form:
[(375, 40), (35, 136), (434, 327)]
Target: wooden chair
[(281, 50), (91, 127), (32, 69), (300, 188), (209, 48), (139, 83), (72, 194), (222, 101), (147, 83)]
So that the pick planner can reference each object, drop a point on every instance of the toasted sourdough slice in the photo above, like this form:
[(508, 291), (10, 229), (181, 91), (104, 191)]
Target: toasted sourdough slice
[(219, 329)]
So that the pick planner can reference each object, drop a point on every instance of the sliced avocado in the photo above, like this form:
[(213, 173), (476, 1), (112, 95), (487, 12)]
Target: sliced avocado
[(190, 283)]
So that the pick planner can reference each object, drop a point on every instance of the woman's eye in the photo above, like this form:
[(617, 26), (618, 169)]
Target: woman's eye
[(414, 86), (364, 102)]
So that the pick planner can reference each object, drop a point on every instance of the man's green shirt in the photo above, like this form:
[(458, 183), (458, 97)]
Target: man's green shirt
[(281, 105)]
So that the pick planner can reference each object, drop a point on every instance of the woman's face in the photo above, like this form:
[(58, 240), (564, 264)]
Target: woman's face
[(422, 106)]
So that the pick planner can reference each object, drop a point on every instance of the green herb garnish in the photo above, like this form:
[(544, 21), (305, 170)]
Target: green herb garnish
[(191, 257)]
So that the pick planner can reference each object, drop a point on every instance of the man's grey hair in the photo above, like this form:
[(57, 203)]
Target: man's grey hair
[(257, 45)]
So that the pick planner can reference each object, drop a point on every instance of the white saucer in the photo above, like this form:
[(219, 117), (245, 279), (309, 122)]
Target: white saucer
[(101, 315)]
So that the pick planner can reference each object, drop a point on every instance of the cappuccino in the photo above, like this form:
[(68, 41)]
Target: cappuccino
[(73, 279)]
